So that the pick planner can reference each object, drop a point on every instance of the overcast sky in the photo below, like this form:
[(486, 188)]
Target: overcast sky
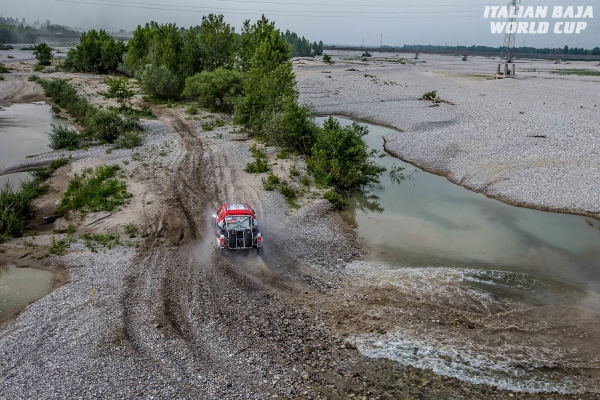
[(391, 22)]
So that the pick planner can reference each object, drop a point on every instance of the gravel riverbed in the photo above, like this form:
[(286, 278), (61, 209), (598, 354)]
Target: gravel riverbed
[(532, 141), (175, 318)]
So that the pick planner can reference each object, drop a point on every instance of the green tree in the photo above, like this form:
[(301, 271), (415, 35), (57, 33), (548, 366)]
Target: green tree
[(269, 78), (341, 159), (43, 53), (216, 90), (159, 45), (119, 89), (219, 42), (97, 52), (262, 33), (193, 53)]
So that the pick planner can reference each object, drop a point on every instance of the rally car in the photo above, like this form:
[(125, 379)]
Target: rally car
[(236, 227)]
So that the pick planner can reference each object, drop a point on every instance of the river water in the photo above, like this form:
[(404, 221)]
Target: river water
[(528, 280), (24, 131)]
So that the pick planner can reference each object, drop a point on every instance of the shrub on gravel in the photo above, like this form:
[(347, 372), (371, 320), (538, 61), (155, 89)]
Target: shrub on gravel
[(336, 199), (260, 163), (271, 182), (160, 82), (63, 137), (107, 126), (4, 69), (216, 90), (15, 206), (128, 140), (99, 189), (341, 159)]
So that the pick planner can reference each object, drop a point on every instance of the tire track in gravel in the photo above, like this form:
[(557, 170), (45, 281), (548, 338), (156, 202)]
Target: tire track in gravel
[(170, 303)]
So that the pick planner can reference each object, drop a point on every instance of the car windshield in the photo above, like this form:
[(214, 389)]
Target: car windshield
[(238, 222)]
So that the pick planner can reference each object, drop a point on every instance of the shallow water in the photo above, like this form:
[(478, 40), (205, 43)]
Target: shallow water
[(24, 131), (530, 279), (21, 286)]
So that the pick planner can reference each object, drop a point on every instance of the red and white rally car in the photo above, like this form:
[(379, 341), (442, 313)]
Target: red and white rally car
[(236, 227)]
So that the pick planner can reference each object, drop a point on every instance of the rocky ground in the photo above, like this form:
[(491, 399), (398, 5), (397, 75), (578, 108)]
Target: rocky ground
[(173, 317)]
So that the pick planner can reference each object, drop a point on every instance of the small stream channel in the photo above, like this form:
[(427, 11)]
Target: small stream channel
[(532, 275), (24, 131)]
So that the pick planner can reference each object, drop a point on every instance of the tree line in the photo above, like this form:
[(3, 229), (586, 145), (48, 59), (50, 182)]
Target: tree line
[(13, 32), (247, 74), (489, 49)]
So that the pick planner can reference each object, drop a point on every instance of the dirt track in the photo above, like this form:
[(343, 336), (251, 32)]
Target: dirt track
[(231, 325)]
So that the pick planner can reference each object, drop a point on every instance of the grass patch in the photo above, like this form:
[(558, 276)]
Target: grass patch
[(260, 163), (15, 206), (131, 229), (108, 240), (192, 110), (4, 69), (294, 172), (45, 173), (99, 189), (283, 154), (271, 182), (288, 192), (576, 71)]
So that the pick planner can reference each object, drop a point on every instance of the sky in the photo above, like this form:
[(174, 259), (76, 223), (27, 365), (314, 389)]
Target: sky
[(352, 22)]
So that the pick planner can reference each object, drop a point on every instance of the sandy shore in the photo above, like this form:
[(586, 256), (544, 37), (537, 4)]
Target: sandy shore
[(532, 141)]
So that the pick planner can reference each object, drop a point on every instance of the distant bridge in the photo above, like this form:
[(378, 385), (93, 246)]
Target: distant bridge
[(564, 57)]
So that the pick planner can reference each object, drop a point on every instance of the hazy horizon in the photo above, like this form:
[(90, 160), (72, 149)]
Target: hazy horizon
[(387, 22)]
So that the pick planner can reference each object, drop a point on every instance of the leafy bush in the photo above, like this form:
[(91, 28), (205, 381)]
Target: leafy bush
[(98, 189), (216, 90), (336, 199), (430, 95), (293, 127), (287, 191), (107, 126), (119, 89), (283, 154), (97, 52), (15, 206), (63, 137), (271, 182), (128, 140), (160, 82), (6, 47), (4, 69), (43, 53), (260, 163), (192, 109), (326, 58), (341, 159)]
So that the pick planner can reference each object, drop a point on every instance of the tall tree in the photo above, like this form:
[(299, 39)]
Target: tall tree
[(219, 41)]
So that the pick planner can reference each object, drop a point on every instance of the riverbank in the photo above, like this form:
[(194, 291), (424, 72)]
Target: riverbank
[(530, 141)]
